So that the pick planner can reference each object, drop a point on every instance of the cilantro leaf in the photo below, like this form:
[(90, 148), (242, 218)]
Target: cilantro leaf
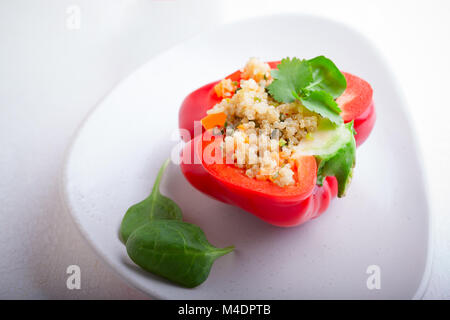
[(322, 103), (291, 76), (315, 83), (327, 77)]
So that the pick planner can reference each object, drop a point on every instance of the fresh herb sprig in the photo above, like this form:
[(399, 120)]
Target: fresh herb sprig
[(159, 241), (316, 83)]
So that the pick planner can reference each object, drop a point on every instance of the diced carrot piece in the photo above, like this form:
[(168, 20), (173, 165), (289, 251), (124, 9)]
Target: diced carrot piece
[(214, 120), (225, 88)]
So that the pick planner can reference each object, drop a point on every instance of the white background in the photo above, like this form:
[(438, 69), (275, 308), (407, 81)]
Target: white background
[(51, 76)]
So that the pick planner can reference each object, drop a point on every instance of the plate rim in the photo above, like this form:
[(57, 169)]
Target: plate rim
[(64, 168)]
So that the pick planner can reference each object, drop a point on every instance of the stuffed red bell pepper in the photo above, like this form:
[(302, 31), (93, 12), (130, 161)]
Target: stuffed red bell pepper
[(279, 139)]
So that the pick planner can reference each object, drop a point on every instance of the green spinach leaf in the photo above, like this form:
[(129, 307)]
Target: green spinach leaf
[(155, 206), (175, 250)]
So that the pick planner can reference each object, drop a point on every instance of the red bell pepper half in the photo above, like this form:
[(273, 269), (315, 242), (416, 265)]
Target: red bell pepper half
[(281, 206)]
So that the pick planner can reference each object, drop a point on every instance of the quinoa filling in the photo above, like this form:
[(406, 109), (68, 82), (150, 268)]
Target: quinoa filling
[(261, 134)]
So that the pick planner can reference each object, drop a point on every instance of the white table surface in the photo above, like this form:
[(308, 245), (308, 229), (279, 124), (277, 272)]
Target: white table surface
[(52, 75)]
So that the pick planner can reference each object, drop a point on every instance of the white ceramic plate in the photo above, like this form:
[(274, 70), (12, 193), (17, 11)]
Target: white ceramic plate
[(384, 220)]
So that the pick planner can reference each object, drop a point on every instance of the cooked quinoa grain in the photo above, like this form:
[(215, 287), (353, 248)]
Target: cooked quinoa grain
[(261, 134)]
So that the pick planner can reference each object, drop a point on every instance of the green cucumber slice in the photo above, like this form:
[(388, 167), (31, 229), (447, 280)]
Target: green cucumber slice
[(334, 149)]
